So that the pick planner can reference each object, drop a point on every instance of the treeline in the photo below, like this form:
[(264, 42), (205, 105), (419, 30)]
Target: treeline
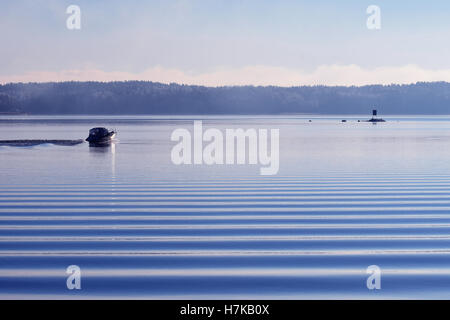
[(141, 97)]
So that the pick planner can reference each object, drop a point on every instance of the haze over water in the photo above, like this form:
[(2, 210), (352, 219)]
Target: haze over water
[(347, 196)]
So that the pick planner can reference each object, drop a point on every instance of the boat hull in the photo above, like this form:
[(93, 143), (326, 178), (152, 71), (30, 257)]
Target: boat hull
[(101, 140)]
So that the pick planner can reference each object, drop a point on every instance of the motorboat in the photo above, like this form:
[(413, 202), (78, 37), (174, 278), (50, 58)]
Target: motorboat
[(100, 135)]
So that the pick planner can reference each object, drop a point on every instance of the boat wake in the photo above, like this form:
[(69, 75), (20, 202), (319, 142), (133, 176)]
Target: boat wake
[(30, 143)]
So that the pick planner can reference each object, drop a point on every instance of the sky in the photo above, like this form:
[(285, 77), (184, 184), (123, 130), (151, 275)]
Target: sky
[(226, 42)]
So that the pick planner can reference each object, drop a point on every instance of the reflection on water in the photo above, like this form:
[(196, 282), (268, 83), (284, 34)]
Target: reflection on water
[(348, 195), (105, 153), (109, 147)]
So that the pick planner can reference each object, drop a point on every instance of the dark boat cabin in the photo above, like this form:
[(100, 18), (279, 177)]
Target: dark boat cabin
[(98, 132)]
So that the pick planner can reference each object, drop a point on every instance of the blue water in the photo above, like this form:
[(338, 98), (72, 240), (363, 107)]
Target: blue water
[(347, 196)]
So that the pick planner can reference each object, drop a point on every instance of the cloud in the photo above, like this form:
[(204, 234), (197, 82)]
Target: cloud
[(250, 75)]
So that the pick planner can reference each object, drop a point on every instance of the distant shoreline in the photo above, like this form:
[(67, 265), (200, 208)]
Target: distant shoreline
[(12, 114), (152, 98)]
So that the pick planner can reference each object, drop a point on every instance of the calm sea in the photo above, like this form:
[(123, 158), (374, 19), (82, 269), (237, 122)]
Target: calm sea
[(347, 196)]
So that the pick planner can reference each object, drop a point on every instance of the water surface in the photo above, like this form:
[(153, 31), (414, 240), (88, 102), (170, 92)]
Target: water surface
[(347, 196)]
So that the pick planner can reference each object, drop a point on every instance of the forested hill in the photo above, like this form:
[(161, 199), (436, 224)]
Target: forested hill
[(139, 97)]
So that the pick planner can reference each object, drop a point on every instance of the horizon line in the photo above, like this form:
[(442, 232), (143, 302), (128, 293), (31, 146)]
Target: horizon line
[(223, 86)]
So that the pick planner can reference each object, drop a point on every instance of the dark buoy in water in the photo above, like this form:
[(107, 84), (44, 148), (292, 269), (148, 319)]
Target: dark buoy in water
[(374, 117)]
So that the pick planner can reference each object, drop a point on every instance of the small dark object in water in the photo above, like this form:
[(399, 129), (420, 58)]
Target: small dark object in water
[(376, 120), (374, 117), (100, 136), (344, 121), (30, 143)]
